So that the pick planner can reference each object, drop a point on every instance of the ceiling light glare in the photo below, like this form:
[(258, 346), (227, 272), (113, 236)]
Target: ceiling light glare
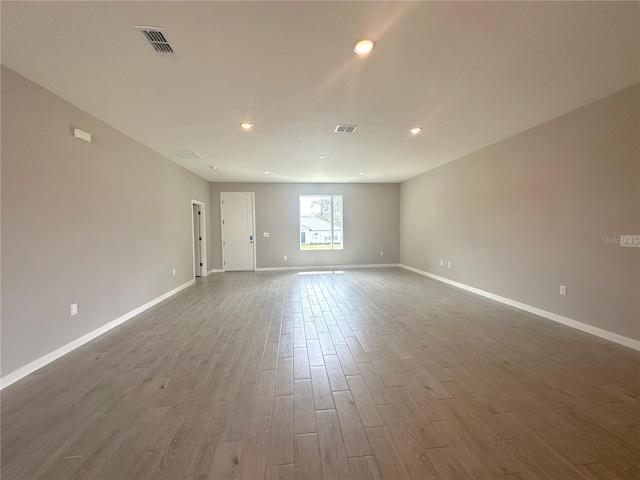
[(321, 157), (362, 173), (212, 167), (246, 125), (266, 172), (415, 130), (363, 47)]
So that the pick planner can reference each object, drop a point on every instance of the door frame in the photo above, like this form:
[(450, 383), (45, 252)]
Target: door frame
[(253, 214), (203, 247)]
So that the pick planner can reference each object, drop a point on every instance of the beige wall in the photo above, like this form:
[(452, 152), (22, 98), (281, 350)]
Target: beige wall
[(523, 216), (370, 223), (100, 224)]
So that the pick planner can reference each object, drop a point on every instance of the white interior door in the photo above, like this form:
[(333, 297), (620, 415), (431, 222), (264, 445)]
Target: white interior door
[(238, 236)]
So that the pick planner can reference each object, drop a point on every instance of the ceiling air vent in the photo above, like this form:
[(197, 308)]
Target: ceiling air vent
[(184, 154), (157, 40), (345, 128)]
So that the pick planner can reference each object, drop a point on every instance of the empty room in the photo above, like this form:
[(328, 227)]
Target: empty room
[(320, 240)]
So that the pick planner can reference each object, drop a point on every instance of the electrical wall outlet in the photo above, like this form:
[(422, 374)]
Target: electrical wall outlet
[(563, 289), (265, 234), (448, 264), (174, 272), (74, 309), (285, 257), (442, 263), (381, 253)]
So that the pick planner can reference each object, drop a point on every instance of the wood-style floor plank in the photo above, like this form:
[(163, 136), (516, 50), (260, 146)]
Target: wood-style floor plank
[(364, 468), (446, 464), (322, 398), (280, 472), (304, 415), (352, 430), (389, 461), (366, 374), (281, 445), (226, 461), (332, 449), (364, 402), (253, 462), (337, 380), (264, 393), (306, 457)]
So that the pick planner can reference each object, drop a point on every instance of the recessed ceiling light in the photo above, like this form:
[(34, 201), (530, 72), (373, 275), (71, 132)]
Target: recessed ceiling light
[(266, 172), (363, 47), (320, 157), (415, 130), (246, 125), (362, 173)]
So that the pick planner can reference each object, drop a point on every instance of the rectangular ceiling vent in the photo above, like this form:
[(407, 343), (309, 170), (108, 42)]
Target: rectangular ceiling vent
[(345, 128), (184, 154), (156, 38)]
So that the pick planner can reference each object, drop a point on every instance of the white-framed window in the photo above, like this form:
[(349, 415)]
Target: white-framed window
[(321, 222)]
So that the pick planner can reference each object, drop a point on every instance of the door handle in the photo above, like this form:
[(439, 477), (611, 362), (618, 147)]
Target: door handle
[(251, 238)]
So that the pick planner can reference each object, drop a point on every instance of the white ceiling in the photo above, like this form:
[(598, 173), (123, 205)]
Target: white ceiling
[(470, 73)]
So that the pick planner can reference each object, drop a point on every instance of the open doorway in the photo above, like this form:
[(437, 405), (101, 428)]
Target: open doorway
[(199, 239)]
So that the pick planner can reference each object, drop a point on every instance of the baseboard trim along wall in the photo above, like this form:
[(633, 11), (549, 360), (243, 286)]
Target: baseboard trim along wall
[(214, 270), (599, 332), (50, 357), (327, 267)]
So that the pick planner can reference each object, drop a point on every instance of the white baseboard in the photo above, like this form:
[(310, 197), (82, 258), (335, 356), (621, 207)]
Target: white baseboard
[(16, 375), (327, 267), (599, 332), (214, 270)]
